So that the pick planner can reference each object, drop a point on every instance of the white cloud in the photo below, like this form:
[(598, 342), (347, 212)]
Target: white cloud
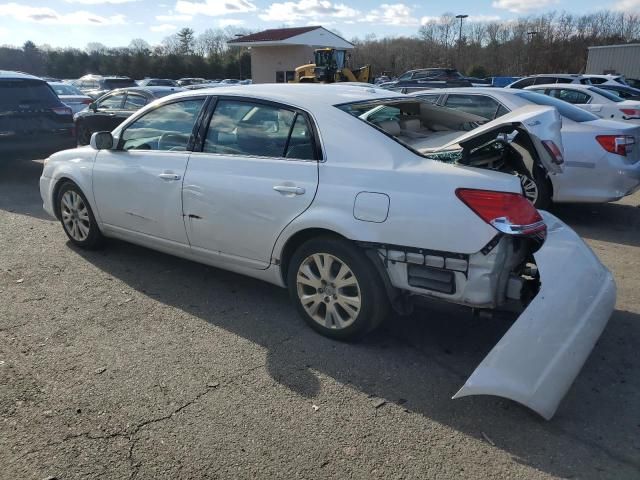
[(165, 27), (230, 22), (394, 14), (484, 18), (49, 16), (522, 6), (173, 18), (288, 12), (627, 5), (100, 2), (214, 8)]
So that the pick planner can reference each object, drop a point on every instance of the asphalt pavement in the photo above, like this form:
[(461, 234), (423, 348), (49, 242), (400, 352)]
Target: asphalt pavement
[(128, 363)]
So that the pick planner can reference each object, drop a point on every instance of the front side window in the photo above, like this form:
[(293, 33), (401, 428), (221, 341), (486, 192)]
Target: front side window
[(247, 128), (112, 102), (480, 105), (166, 128), (429, 98), (525, 82), (134, 102)]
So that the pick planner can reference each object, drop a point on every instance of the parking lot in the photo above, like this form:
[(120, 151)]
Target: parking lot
[(127, 363)]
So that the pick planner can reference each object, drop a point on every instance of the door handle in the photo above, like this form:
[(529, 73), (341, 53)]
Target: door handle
[(169, 176), (286, 189)]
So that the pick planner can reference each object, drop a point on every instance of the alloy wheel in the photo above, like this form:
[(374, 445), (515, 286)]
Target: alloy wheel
[(328, 291), (75, 216), (529, 188)]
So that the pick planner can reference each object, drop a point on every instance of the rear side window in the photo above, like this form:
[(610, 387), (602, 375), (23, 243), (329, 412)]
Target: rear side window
[(544, 80), (565, 109), (254, 129), (564, 80), (606, 94), (19, 93), (571, 96), (111, 102), (480, 105), (429, 98)]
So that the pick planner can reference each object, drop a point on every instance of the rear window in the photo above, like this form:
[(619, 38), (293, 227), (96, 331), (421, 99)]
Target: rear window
[(611, 96), (565, 109), (65, 89), (114, 83), (18, 92)]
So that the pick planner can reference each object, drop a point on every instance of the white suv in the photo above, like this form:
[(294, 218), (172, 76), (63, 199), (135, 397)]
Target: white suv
[(548, 78)]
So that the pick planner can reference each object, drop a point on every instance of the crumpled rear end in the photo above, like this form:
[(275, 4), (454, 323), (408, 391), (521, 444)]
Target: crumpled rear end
[(539, 357)]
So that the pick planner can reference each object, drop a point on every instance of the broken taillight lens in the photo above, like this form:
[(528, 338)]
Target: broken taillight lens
[(554, 151), (508, 212), (618, 144)]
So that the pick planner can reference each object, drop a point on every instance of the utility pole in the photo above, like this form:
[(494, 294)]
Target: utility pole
[(531, 35), (461, 17)]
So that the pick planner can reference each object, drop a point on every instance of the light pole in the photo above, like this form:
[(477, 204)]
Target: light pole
[(237, 35), (531, 35), (461, 17)]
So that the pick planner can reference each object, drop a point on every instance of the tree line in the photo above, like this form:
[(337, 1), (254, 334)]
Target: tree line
[(555, 42)]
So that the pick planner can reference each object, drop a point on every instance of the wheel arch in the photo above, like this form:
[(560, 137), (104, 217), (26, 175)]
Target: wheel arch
[(294, 242)]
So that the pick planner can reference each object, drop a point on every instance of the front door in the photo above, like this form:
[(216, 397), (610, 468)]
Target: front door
[(257, 171), (138, 186)]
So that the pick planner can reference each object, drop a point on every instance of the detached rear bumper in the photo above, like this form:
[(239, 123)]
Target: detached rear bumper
[(540, 356)]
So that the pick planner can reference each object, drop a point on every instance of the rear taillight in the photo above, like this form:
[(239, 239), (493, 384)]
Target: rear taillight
[(62, 110), (631, 112), (618, 144), (87, 101), (553, 150), (510, 213)]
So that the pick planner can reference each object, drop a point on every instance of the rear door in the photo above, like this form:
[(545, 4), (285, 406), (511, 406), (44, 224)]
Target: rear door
[(257, 171)]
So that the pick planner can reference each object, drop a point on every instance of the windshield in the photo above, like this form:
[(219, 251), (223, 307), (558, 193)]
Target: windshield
[(565, 109), (611, 96), (65, 89)]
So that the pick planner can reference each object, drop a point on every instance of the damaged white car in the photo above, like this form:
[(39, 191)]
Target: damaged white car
[(307, 187)]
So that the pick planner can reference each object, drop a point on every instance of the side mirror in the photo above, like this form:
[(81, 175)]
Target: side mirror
[(93, 106), (101, 141)]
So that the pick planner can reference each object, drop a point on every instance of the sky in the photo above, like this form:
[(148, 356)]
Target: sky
[(74, 23)]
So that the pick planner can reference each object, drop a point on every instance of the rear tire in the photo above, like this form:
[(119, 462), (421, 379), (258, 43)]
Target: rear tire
[(77, 217), (536, 187), (336, 289)]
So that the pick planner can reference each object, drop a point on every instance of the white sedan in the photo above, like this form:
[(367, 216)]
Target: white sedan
[(596, 100), (602, 159), (291, 184)]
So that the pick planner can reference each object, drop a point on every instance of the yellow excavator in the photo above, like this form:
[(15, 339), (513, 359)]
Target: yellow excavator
[(329, 67)]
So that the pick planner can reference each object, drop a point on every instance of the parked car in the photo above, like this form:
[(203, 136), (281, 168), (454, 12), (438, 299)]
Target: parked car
[(595, 100), (157, 82), (347, 216), (32, 117), (601, 156), (96, 85), (567, 78), (200, 86), (185, 82), (624, 92), (427, 78), (71, 96), (112, 109), (502, 81), (230, 81)]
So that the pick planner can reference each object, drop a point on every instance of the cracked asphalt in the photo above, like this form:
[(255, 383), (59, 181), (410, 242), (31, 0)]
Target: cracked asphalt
[(131, 364)]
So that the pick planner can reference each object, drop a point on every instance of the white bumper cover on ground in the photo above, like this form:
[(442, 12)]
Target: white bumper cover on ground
[(539, 357)]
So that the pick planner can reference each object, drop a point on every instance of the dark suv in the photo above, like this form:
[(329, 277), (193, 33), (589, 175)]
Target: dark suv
[(32, 117), (95, 85), (428, 78)]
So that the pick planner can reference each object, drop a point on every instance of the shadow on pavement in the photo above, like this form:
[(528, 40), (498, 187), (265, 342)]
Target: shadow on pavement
[(418, 362), (15, 173)]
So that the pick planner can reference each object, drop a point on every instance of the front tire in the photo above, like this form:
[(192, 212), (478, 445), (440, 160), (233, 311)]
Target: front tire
[(336, 289), (77, 217)]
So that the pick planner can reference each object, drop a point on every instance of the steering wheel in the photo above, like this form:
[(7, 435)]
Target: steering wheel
[(172, 140)]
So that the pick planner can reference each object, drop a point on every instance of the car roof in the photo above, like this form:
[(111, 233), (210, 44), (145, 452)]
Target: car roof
[(567, 75), (570, 86), (18, 75), (147, 90), (308, 96)]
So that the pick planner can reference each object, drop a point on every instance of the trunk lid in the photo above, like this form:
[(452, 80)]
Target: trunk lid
[(540, 122)]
